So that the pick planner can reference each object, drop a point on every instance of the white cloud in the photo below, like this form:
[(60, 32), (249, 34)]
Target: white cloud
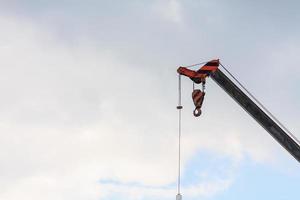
[(72, 116), (170, 10), (140, 192)]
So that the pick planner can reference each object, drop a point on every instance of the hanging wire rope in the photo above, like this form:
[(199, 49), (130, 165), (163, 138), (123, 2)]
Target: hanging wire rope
[(179, 107), (260, 104), (193, 65)]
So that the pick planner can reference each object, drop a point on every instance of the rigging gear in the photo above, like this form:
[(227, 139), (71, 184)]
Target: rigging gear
[(179, 107), (198, 97)]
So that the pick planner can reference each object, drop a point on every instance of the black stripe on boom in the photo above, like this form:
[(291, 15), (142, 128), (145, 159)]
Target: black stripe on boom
[(201, 71), (213, 63)]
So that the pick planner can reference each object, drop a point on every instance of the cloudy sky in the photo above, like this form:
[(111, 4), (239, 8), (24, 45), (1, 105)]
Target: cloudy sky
[(89, 90)]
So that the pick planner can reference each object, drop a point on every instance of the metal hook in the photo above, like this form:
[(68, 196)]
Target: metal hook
[(197, 112)]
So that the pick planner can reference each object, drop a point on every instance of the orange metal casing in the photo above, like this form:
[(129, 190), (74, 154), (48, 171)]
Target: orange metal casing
[(199, 75)]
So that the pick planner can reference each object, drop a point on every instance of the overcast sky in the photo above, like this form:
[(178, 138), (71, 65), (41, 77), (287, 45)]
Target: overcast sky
[(89, 91)]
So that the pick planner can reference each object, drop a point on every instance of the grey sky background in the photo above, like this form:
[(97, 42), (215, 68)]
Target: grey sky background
[(89, 90)]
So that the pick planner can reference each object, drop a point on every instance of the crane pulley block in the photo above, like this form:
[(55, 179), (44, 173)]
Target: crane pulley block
[(198, 97)]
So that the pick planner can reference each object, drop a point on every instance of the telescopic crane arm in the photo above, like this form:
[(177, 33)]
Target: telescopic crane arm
[(210, 69)]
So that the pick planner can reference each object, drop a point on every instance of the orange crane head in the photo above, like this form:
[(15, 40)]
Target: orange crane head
[(200, 75)]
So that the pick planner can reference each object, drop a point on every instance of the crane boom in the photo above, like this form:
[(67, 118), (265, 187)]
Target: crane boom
[(278, 132), (257, 113)]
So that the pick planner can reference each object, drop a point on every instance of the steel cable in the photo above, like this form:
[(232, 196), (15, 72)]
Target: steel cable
[(261, 105)]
